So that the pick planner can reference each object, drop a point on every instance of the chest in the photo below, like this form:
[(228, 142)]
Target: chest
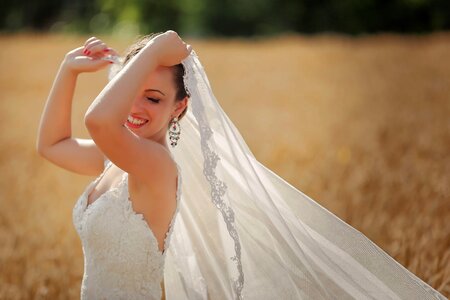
[(155, 204), (107, 181)]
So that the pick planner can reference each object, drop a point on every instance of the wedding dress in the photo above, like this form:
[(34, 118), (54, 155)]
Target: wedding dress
[(121, 255), (241, 232)]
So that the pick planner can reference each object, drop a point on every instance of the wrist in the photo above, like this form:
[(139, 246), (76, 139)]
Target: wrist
[(145, 61), (66, 68), (152, 49)]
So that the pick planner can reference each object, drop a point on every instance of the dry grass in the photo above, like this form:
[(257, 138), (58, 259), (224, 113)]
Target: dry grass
[(360, 125)]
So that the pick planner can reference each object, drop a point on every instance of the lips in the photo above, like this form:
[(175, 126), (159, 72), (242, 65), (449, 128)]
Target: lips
[(135, 121)]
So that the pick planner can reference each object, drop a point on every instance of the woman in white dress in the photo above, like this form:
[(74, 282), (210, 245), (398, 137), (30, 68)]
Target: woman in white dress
[(236, 231), (124, 217)]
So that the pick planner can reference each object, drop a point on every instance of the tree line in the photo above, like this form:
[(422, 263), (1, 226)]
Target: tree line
[(227, 17)]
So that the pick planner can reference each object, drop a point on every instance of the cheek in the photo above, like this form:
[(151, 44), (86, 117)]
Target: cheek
[(158, 112), (142, 105)]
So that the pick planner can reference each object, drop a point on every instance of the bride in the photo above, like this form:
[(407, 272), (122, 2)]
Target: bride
[(236, 230)]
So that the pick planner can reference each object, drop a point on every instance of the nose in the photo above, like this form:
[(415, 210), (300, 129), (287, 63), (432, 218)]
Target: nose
[(138, 106)]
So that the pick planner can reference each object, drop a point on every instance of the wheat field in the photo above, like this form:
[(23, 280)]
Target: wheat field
[(361, 125)]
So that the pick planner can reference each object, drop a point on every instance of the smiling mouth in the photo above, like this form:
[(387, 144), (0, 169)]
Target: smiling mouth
[(134, 122)]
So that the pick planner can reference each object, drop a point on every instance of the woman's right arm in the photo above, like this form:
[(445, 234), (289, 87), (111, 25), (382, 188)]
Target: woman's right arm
[(55, 141)]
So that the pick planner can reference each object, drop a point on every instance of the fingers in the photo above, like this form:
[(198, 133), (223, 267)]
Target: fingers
[(111, 51), (96, 47), (89, 40)]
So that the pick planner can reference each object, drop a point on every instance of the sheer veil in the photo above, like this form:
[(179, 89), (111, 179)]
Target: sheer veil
[(243, 232)]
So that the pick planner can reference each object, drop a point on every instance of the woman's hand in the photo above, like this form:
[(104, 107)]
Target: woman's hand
[(92, 57), (169, 48)]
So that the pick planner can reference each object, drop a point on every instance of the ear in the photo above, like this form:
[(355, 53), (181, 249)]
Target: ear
[(180, 106)]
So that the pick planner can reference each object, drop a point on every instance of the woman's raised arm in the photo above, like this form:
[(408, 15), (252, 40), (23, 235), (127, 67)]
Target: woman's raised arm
[(105, 118), (54, 138)]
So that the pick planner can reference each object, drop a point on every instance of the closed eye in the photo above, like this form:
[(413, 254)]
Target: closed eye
[(153, 99)]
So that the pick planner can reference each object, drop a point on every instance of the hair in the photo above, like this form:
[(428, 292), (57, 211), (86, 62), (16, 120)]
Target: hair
[(178, 70)]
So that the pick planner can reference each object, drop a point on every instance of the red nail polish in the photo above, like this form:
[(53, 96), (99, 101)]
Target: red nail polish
[(106, 50), (88, 52)]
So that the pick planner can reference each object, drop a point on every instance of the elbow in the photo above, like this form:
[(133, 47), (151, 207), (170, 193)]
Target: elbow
[(88, 121), (92, 122), (98, 117), (96, 125)]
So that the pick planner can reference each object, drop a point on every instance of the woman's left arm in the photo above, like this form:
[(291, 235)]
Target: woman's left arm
[(106, 116)]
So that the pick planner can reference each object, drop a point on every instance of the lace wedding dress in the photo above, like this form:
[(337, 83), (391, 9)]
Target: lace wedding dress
[(121, 255)]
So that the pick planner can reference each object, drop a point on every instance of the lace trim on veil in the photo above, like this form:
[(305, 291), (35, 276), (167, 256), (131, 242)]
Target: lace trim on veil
[(218, 187)]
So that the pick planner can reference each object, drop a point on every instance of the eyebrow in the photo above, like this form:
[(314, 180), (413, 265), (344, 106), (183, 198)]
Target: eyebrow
[(153, 90)]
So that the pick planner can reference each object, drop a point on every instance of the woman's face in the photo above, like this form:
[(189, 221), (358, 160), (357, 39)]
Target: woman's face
[(155, 106)]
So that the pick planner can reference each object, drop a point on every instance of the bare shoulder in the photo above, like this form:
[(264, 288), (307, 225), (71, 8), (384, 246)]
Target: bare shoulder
[(159, 180), (155, 199)]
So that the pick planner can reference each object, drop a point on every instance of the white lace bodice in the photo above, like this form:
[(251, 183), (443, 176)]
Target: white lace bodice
[(121, 255)]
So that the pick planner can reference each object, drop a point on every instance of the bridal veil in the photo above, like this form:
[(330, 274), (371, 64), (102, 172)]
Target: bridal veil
[(245, 233)]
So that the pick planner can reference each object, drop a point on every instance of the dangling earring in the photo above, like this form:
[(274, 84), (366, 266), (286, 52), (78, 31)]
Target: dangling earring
[(174, 132)]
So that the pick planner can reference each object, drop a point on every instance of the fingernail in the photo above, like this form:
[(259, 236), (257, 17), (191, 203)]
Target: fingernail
[(84, 51), (88, 52), (107, 49)]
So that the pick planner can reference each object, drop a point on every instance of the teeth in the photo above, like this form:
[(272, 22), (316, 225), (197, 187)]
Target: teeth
[(135, 121)]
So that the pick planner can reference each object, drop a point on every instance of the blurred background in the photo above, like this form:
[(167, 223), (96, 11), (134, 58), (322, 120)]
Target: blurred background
[(349, 101), (226, 18)]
